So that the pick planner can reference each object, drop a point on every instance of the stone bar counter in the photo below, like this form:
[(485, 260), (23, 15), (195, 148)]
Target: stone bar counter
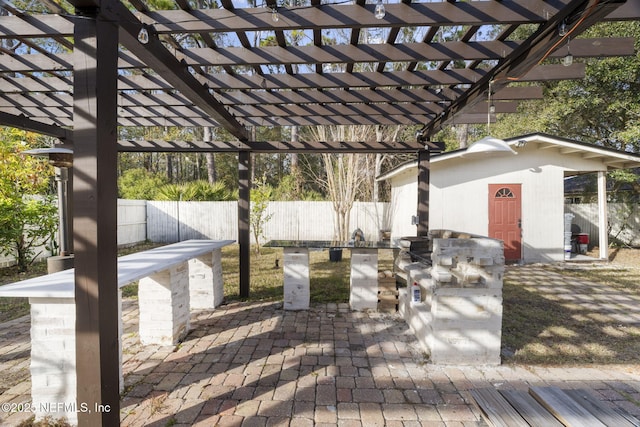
[(363, 280), (458, 319)]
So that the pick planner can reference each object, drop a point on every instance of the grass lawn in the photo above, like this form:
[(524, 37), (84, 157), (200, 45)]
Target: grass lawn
[(566, 316), (329, 280)]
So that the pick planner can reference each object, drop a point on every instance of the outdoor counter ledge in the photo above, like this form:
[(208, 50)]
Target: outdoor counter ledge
[(363, 281), (325, 244), (173, 279), (130, 268)]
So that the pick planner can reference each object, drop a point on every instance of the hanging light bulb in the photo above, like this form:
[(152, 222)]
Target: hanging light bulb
[(143, 35), (567, 60), (562, 29), (274, 14), (380, 12)]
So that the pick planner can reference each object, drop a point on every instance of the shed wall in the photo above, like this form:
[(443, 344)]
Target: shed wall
[(459, 196), (404, 204)]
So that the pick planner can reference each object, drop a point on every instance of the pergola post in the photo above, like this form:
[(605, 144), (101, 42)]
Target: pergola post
[(603, 218), (95, 211), (244, 239), (424, 157)]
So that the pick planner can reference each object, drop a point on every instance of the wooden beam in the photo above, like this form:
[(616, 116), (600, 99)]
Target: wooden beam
[(630, 11), (29, 84), (302, 55), (423, 192), (95, 218), (324, 16), (244, 239), (157, 57), (411, 146), (221, 82), (406, 52), (24, 123), (340, 120), (529, 54), (450, 77), (353, 16), (230, 98)]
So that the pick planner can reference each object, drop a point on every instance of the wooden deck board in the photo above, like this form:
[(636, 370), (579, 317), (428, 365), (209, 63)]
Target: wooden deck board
[(564, 408), (496, 410), (607, 415), (530, 409)]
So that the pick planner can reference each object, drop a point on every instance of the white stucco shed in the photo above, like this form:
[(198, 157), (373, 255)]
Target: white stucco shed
[(518, 198)]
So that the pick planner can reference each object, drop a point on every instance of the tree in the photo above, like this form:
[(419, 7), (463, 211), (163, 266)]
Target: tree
[(342, 183), (197, 191), (258, 217), (140, 184), (344, 174), (28, 217)]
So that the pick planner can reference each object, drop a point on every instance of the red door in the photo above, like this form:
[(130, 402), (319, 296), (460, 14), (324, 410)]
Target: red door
[(505, 218)]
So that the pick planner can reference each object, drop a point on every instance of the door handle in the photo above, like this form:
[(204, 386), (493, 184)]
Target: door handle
[(520, 223)]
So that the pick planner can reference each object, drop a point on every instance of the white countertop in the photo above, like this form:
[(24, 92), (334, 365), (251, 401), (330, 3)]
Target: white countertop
[(130, 268)]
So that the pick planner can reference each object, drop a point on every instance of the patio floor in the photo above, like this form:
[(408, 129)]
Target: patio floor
[(253, 364)]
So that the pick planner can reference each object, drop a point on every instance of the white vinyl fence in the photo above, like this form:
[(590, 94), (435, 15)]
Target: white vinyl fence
[(132, 221), (165, 222), (624, 222), (132, 228), (175, 221)]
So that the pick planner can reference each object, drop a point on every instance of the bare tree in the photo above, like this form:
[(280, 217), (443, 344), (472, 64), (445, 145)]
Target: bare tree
[(382, 133), (345, 173)]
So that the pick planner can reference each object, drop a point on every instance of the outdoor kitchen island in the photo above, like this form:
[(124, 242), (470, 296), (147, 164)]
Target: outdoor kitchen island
[(363, 281), (458, 316)]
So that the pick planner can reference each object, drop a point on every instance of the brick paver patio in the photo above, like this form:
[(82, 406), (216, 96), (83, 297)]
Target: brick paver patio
[(253, 364)]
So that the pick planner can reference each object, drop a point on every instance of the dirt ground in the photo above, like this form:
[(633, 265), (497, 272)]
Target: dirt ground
[(627, 257)]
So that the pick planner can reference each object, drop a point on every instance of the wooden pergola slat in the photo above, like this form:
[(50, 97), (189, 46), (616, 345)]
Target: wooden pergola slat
[(269, 146), (325, 16), (347, 54)]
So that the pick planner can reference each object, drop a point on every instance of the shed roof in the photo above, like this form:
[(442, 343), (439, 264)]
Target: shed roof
[(612, 158)]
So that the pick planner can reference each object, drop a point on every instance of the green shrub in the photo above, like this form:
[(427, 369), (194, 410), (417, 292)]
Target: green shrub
[(199, 191)]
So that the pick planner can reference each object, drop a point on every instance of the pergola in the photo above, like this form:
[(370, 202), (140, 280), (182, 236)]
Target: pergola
[(78, 71)]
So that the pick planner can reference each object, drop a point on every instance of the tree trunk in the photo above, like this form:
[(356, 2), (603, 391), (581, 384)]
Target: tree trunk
[(252, 160), (170, 167), (462, 134), (295, 164), (212, 173), (376, 184)]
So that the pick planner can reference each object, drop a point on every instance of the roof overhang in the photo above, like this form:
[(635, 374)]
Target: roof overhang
[(611, 158)]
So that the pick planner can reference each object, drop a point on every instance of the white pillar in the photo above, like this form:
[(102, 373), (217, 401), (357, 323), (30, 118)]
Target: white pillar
[(296, 279), (163, 300), (603, 219), (206, 286), (53, 358), (363, 282)]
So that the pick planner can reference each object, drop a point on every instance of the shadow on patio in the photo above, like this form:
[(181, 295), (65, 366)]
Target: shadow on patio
[(255, 364)]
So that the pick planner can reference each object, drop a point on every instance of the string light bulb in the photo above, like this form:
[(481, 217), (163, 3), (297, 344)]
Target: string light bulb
[(562, 29), (567, 60), (143, 35), (274, 14), (380, 11)]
